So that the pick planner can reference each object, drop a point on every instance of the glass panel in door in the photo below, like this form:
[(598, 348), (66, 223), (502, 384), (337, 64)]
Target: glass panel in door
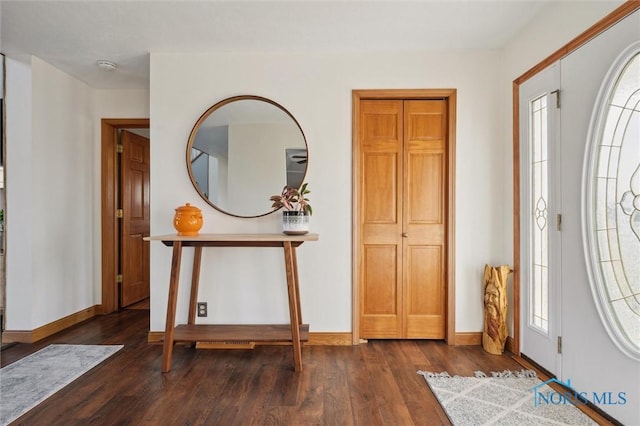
[(539, 239)]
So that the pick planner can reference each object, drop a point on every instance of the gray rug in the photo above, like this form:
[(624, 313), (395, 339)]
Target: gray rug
[(507, 398), (30, 380)]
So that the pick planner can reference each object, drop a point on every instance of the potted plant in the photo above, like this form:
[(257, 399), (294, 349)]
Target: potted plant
[(295, 209)]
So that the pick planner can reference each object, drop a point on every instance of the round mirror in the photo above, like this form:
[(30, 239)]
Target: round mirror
[(242, 151)]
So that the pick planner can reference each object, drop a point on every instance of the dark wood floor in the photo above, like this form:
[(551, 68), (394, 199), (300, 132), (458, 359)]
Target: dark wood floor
[(371, 384)]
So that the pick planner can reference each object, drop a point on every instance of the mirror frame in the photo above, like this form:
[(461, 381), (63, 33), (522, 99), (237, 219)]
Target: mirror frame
[(205, 115)]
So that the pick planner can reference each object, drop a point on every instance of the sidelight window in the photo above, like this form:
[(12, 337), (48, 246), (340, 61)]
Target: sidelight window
[(539, 296)]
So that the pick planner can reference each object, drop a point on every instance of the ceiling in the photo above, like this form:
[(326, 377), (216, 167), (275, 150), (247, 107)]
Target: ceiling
[(73, 35)]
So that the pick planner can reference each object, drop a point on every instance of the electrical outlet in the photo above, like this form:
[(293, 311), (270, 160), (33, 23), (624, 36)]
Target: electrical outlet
[(202, 309)]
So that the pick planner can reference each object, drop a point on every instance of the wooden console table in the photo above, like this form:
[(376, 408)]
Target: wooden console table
[(295, 332)]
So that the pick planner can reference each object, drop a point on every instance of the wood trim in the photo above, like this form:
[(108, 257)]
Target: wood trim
[(516, 219), (471, 338), (109, 195), (330, 339), (355, 225), (47, 330), (356, 97), (315, 339), (9, 336), (402, 93), (155, 337), (108, 218), (608, 21), (450, 336), (509, 344), (599, 27), (474, 338)]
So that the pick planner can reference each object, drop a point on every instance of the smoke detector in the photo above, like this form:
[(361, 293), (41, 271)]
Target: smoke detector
[(107, 65)]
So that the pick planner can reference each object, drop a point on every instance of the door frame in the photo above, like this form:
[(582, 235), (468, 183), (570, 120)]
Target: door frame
[(109, 194), (450, 95), (599, 27)]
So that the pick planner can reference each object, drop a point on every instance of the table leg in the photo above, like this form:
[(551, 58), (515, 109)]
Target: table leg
[(167, 348), (292, 287), (297, 281), (195, 281)]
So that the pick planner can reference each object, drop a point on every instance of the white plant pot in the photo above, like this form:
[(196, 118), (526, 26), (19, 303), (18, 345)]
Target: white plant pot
[(295, 222)]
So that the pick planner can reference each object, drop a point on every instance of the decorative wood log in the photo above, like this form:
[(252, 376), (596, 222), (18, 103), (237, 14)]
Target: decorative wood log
[(494, 335)]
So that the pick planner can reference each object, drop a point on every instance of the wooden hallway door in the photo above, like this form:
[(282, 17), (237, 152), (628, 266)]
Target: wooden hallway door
[(111, 202), (134, 251), (403, 193)]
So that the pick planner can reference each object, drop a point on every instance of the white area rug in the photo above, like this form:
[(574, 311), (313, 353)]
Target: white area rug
[(30, 380), (505, 399)]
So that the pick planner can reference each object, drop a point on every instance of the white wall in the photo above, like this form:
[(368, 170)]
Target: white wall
[(316, 89), (19, 281), (48, 235), (53, 190)]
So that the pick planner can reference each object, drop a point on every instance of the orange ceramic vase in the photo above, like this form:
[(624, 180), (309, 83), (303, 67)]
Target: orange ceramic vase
[(187, 220)]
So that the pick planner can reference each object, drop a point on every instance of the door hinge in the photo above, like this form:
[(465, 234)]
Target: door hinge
[(559, 344), (557, 93), (559, 222), (119, 278), (119, 148), (119, 213)]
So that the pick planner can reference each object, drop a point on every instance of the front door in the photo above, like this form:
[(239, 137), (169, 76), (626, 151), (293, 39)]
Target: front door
[(135, 203), (403, 213), (540, 219)]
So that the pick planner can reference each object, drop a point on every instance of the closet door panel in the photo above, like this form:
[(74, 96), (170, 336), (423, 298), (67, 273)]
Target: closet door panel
[(424, 213), (381, 304), (425, 292), (380, 173), (425, 174)]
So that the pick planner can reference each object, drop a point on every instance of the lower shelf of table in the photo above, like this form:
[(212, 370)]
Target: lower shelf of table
[(233, 332)]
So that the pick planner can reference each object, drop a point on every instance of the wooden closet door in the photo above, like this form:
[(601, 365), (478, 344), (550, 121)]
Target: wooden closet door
[(424, 218), (381, 134), (403, 218)]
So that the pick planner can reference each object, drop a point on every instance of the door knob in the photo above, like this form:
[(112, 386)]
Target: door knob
[(405, 235)]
